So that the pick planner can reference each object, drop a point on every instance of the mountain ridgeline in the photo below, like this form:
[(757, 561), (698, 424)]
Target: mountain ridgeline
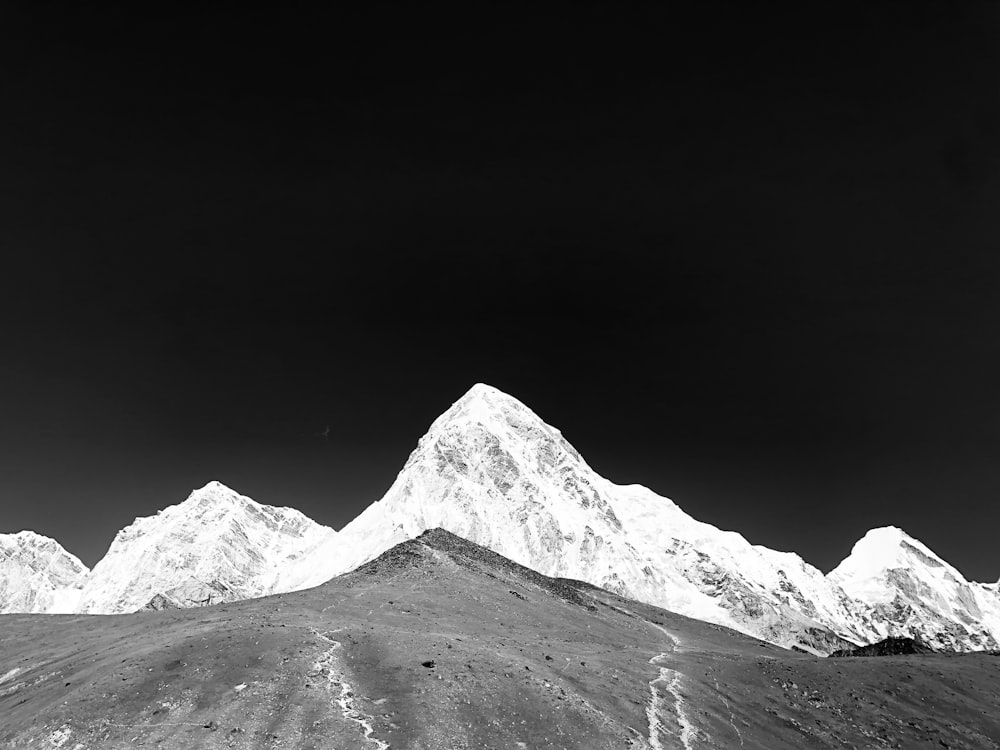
[(440, 643), (491, 471)]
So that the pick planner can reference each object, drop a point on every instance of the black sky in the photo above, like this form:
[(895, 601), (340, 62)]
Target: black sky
[(747, 258)]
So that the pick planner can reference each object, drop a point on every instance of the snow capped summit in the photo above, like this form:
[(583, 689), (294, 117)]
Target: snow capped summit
[(880, 549), (903, 589), (215, 546), (37, 574)]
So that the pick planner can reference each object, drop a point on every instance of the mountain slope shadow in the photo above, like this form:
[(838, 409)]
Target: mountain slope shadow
[(440, 643)]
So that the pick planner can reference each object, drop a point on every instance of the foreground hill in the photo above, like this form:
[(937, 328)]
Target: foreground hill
[(442, 644)]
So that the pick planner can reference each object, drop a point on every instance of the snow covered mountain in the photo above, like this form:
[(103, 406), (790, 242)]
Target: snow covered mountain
[(215, 546), (900, 588), (38, 575), (493, 472)]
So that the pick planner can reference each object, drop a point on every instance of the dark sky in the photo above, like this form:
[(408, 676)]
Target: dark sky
[(747, 258)]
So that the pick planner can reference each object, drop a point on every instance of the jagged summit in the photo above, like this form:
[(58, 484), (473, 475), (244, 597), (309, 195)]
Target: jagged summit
[(215, 493), (216, 545), (881, 548), (487, 396), (484, 392), (485, 409), (37, 574), (903, 589)]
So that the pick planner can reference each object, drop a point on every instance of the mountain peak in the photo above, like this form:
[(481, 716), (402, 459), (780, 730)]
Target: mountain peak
[(215, 490), (913, 593), (214, 498), (27, 539), (484, 403), (215, 486), (27, 535), (881, 549), (482, 391), (37, 574), (216, 545)]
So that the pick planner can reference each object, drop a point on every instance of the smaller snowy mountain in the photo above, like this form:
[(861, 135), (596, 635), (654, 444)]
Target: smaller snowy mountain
[(901, 589), (37, 575), (216, 546)]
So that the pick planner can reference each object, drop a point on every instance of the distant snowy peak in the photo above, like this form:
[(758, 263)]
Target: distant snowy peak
[(906, 590), (215, 546), (38, 575), (862, 574)]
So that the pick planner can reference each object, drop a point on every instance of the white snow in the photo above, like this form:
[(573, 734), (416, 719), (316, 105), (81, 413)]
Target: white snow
[(902, 588), (215, 546), (37, 575), (9, 675)]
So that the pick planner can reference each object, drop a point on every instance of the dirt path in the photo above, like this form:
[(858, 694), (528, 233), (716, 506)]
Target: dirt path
[(670, 679), (327, 665)]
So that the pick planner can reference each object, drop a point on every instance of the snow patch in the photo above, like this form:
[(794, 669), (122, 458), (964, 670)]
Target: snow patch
[(10, 675)]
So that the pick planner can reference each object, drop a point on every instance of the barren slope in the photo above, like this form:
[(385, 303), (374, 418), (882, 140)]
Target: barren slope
[(442, 644)]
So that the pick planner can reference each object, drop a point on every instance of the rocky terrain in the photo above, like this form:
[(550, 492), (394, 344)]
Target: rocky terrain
[(888, 647), (443, 644)]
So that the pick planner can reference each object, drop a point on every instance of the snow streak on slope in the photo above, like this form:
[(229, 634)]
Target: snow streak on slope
[(215, 546), (38, 575)]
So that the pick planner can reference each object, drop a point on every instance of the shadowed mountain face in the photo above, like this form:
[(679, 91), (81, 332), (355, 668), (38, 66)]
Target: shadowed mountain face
[(440, 643), (888, 647)]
